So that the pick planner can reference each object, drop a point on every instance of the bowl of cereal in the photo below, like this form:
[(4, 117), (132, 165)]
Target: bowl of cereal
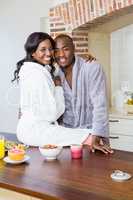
[(50, 151)]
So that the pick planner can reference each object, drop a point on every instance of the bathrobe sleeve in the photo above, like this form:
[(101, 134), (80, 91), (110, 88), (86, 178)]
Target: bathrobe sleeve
[(98, 95), (41, 95), (60, 102)]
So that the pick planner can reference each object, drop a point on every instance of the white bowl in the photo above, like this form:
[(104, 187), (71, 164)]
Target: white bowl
[(49, 153)]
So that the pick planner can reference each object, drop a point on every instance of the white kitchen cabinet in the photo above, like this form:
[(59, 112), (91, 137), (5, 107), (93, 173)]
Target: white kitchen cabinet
[(12, 195), (121, 133)]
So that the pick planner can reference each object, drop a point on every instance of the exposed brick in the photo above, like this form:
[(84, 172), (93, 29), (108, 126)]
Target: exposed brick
[(51, 10), (79, 39), (119, 5), (64, 14), (59, 24), (79, 33), (80, 14), (55, 19), (60, 11), (83, 9), (51, 25), (57, 29), (82, 45), (51, 14), (81, 50), (75, 8), (82, 55), (87, 13), (68, 16), (130, 2)]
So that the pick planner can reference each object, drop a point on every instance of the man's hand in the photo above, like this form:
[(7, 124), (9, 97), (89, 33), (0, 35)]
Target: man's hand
[(97, 143)]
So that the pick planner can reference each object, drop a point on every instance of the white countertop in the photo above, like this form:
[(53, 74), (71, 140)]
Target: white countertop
[(113, 113)]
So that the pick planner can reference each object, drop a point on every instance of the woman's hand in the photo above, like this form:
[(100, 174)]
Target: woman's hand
[(57, 81), (89, 58), (97, 143)]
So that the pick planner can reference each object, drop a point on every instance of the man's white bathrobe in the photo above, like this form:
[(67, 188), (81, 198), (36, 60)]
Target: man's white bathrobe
[(42, 103)]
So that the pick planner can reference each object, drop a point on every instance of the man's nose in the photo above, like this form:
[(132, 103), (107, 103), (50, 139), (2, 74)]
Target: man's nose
[(61, 53)]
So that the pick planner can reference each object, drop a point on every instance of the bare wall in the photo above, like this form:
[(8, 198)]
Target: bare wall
[(17, 20)]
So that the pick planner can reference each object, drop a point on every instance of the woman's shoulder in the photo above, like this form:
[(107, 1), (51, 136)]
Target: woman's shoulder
[(31, 69), (30, 66)]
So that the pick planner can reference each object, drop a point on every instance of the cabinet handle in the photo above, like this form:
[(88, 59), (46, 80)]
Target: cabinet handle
[(114, 137), (113, 120)]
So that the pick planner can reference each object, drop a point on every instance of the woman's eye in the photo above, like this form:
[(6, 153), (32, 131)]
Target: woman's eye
[(48, 49)]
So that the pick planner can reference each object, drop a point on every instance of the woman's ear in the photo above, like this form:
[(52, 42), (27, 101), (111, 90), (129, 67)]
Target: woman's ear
[(33, 55)]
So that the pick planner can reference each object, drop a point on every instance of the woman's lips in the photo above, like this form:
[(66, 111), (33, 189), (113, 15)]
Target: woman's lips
[(48, 59)]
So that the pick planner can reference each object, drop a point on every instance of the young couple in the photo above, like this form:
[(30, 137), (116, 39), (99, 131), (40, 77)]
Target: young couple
[(79, 95)]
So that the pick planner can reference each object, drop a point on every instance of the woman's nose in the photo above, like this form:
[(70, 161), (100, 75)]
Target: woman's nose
[(48, 52)]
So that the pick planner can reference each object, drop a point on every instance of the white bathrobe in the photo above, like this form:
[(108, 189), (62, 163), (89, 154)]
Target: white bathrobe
[(42, 103)]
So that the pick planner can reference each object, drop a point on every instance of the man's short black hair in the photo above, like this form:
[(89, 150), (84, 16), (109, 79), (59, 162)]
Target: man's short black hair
[(60, 36)]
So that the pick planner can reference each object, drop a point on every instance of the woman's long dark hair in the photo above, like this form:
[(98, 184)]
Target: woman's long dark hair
[(30, 47)]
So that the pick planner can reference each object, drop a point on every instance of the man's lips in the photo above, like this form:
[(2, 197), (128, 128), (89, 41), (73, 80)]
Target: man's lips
[(62, 60)]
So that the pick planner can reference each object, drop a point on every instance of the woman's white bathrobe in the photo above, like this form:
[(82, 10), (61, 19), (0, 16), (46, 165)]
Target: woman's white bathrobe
[(42, 103)]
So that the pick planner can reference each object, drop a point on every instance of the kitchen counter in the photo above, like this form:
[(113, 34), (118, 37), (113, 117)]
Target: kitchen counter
[(117, 114), (68, 179)]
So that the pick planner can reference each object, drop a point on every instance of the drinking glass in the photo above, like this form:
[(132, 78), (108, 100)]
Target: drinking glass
[(76, 151), (2, 146)]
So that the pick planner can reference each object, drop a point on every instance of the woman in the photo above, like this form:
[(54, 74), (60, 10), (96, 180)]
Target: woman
[(42, 100)]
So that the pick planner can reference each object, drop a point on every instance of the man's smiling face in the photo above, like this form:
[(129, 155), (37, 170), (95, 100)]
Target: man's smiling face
[(64, 52)]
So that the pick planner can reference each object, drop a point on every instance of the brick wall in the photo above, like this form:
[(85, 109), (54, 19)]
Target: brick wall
[(66, 17)]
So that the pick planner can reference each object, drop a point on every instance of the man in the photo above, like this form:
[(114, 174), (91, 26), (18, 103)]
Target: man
[(85, 94)]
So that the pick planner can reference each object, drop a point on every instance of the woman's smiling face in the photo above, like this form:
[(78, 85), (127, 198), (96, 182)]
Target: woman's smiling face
[(44, 52)]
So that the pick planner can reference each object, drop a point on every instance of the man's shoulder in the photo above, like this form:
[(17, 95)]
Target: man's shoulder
[(93, 63), (89, 65)]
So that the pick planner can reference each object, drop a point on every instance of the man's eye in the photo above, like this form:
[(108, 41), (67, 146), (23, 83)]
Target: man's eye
[(62, 49), (66, 49)]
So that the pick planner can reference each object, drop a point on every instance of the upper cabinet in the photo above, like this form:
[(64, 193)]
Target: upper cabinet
[(121, 58), (111, 43)]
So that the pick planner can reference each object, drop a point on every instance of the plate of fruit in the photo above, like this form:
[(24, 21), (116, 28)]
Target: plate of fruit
[(16, 154), (11, 144)]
